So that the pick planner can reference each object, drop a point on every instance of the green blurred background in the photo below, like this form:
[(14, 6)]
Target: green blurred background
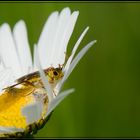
[(106, 102)]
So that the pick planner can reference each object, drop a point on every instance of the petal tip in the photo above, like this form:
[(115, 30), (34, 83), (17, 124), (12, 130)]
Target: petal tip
[(76, 13), (21, 21), (66, 9), (95, 41), (5, 26)]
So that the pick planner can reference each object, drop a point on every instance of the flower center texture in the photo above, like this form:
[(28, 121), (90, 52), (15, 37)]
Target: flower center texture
[(10, 109)]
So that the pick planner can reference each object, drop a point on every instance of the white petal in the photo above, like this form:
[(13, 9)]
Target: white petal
[(43, 77), (46, 39), (60, 52), (74, 50), (78, 57), (6, 78), (52, 105), (22, 44), (33, 112), (60, 35), (55, 37), (10, 129), (8, 50), (1, 64), (74, 63), (34, 58)]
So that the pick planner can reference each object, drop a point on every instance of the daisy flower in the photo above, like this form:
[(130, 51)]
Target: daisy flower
[(30, 89)]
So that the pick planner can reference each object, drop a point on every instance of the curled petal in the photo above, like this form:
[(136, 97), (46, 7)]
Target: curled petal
[(43, 77), (74, 63), (74, 50), (57, 100), (33, 112)]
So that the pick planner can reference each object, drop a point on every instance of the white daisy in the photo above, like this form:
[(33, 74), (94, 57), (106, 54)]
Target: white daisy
[(30, 112)]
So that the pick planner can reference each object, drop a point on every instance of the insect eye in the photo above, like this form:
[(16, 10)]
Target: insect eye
[(55, 73)]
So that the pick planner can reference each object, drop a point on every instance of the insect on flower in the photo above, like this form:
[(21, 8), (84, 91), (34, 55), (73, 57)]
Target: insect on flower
[(30, 90), (31, 82)]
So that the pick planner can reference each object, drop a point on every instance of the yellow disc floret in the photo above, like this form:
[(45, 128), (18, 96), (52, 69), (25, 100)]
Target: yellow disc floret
[(10, 109)]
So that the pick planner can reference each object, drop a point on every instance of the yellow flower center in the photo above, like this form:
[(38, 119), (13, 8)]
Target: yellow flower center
[(10, 109)]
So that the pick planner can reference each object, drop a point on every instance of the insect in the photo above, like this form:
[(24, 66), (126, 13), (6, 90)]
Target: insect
[(29, 83)]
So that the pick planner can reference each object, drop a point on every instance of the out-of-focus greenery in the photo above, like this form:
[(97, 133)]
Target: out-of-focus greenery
[(106, 102)]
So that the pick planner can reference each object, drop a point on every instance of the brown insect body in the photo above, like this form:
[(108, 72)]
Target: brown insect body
[(30, 82)]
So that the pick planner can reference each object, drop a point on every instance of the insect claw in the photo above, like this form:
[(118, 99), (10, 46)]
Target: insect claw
[(60, 66)]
